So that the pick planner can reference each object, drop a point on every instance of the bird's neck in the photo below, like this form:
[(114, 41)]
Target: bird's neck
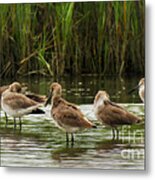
[(98, 103), (141, 92), (52, 102), (55, 101), (141, 88)]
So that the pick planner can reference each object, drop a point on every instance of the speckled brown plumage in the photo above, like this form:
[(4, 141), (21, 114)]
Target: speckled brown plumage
[(111, 114), (67, 116)]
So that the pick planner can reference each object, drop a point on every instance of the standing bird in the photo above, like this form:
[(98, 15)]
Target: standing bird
[(22, 89), (141, 89), (111, 114), (67, 116), (16, 104)]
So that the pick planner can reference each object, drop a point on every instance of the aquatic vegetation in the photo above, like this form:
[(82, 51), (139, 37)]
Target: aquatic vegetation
[(72, 38)]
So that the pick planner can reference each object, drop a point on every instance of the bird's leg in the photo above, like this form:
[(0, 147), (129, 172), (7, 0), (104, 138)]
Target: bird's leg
[(20, 123), (113, 133), (72, 138), (117, 131), (14, 122), (6, 117), (67, 138)]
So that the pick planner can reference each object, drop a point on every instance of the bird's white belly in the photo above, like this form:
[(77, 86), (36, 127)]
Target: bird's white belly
[(70, 129), (17, 112), (12, 112), (65, 127)]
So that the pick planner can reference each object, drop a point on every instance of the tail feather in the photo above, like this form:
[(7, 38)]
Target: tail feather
[(37, 111), (36, 97), (88, 123), (139, 121), (94, 126)]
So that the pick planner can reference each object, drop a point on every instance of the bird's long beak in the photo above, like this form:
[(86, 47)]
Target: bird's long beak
[(133, 89), (48, 99)]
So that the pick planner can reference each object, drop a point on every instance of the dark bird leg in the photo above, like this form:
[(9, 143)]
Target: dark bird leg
[(67, 138), (20, 123), (6, 117), (14, 123), (117, 132), (113, 133), (72, 138)]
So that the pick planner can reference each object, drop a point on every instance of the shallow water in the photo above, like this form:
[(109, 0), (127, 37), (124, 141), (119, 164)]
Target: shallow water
[(41, 144)]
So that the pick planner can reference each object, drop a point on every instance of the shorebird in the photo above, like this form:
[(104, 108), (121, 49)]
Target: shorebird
[(16, 104), (141, 89), (111, 114), (36, 97), (67, 116)]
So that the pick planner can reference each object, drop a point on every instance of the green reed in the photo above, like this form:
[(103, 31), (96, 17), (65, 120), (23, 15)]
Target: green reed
[(72, 38)]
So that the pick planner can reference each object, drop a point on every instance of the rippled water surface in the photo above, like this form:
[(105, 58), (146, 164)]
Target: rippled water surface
[(41, 144)]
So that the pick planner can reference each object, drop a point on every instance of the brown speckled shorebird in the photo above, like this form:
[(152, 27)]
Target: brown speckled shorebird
[(36, 97), (141, 89), (16, 104), (67, 116), (111, 114)]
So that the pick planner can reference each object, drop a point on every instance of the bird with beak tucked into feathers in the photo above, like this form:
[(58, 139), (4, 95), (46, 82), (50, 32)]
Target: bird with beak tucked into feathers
[(16, 104), (111, 114)]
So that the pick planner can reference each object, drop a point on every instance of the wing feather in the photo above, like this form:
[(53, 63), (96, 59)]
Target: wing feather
[(70, 115), (113, 115), (17, 101)]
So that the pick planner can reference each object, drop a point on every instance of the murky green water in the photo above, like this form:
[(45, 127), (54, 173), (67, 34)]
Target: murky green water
[(42, 144)]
